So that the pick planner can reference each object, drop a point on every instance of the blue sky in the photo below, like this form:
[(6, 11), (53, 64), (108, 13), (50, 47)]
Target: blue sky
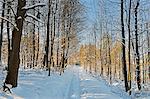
[(112, 11), (90, 18), (90, 9), (112, 16)]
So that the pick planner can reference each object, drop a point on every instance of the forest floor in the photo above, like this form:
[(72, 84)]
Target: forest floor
[(74, 83)]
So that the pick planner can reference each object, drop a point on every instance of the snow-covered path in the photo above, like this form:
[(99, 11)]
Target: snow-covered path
[(91, 88), (75, 83), (88, 87)]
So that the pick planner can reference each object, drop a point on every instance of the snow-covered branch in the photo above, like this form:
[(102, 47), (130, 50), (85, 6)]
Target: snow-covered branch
[(35, 18), (9, 22), (9, 5), (33, 6)]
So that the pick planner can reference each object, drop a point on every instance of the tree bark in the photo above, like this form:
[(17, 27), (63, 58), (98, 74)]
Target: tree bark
[(33, 38), (47, 40), (37, 55), (148, 45), (13, 63), (8, 32), (137, 49), (123, 46), (58, 34), (129, 47), (2, 25), (109, 53)]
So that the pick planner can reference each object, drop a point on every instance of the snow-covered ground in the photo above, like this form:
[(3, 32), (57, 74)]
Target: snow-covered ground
[(92, 88), (37, 85), (75, 83)]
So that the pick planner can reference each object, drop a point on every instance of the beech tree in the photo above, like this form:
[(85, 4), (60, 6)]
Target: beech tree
[(13, 62)]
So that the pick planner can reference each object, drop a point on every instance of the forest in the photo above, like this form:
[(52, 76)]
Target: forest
[(70, 41)]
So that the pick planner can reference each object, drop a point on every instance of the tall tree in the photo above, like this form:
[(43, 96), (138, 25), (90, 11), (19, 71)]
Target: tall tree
[(136, 45), (148, 45), (58, 34), (37, 55), (13, 63), (2, 26), (48, 32), (129, 45), (53, 32), (14, 57), (123, 46), (8, 30), (33, 36), (109, 54)]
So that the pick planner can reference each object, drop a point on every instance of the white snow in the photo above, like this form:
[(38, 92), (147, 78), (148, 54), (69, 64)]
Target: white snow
[(19, 17), (92, 88), (35, 18), (33, 6), (75, 83), (8, 85), (3, 18)]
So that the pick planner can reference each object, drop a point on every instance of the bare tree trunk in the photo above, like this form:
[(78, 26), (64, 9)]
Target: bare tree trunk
[(148, 45), (123, 47), (137, 49), (63, 54), (63, 40), (2, 25), (58, 35), (53, 33), (33, 37), (37, 55), (13, 63), (120, 67), (47, 40), (95, 63), (110, 76), (143, 61), (129, 47), (68, 38), (101, 60), (8, 32)]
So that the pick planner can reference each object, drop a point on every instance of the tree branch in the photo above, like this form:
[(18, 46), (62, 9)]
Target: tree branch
[(34, 6), (9, 22)]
